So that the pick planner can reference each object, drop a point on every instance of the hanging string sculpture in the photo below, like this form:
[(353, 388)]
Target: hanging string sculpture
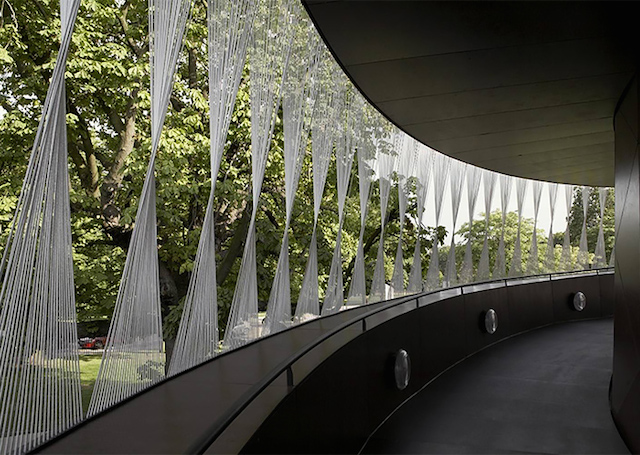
[(134, 358), (612, 258), (405, 166), (533, 267), (600, 259), (488, 186), (229, 25), (327, 112), (500, 268), (268, 58), (583, 253), (515, 268), (39, 367), (297, 105), (366, 154), (423, 175), (474, 175), (566, 261), (345, 150), (550, 257), (441, 164), (385, 161), (458, 171)]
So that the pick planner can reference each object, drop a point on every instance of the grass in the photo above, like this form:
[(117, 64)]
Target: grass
[(89, 366)]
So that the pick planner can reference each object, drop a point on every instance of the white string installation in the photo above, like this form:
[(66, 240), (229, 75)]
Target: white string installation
[(134, 358), (566, 262), (474, 175), (500, 268), (229, 26), (600, 259), (533, 267), (489, 184), (405, 165), (424, 163), (441, 164), (346, 146), (515, 268), (457, 174), (385, 162), (297, 105), (366, 153), (612, 258), (328, 111), (583, 253), (550, 258), (39, 368), (268, 58)]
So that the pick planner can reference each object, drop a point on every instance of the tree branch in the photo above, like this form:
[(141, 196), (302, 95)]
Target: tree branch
[(392, 215), (91, 176), (122, 19), (235, 247), (113, 180)]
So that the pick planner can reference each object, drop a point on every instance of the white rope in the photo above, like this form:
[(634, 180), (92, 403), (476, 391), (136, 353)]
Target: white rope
[(515, 268), (366, 155), (500, 268), (297, 105), (458, 171), (612, 257), (441, 164), (345, 151), (533, 267), (550, 258), (133, 357), (566, 261), (474, 174), (489, 184), (423, 176), (405, 167), (229, 25), (39, 367), (385, 160), (330, 99), (600, 259), (583, 253), (268, 59)]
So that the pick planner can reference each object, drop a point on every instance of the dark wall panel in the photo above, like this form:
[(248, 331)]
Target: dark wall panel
[(529, 309), (625, 391), (441, 344), (607, 294)]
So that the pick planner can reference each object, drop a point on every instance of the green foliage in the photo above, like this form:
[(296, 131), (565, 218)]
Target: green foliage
[(108, 104), (477, 233), (576, 216)]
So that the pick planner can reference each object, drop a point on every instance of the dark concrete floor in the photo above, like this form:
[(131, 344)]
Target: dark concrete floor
[(545, 391)]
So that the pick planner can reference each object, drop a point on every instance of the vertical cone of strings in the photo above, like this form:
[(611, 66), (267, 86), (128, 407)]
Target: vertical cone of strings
[(39, 367)]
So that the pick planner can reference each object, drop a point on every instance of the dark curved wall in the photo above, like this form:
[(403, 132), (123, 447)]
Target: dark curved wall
[(341, 403), (625, 390)]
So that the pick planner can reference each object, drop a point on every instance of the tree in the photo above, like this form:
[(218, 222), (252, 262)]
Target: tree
[(576, 216), (108, 104), (477, 233)]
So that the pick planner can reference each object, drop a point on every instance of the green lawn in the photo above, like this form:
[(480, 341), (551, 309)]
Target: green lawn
[(89, 366)]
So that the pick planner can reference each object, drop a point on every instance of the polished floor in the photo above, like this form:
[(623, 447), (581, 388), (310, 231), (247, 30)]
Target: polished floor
[(545, 392)]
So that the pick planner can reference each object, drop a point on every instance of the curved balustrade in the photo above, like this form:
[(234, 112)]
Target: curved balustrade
[(324, 386)]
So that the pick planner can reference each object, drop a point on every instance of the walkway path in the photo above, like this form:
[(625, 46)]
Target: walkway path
[(542, 392)]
